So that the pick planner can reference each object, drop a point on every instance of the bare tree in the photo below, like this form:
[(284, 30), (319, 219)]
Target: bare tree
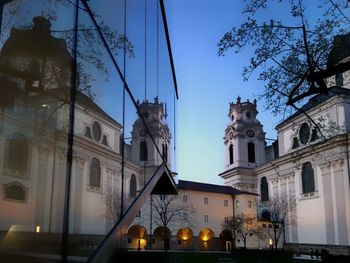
[(241, 225), (279, 211), (291, 55), (170, 211), (112, 201)]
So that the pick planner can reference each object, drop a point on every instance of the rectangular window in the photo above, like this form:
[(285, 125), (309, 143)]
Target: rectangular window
[(226, 219), (206, 218), (237, 204), (185, 199), (185, 216), (264, 225), (249, 204), (225, 202), (205, 200), (162, 197), (129, 240), (138, 214)]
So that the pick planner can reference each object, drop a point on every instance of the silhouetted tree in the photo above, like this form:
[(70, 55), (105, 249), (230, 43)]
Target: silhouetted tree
[(241, 225), (290, 55)]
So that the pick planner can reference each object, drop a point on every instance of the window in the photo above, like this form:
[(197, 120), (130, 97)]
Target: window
[(162, 197), (264, 189), (96, 131), (185, 216), (237, 204), (231, 153), (206, 218), (226, 219), (249, 204), (185, 199), (129, 240), (143, 151), (205, 200), (264, 225), (307, 178), (225, 202), (138, 213), (270, 225), (295, 143), (179, 241), (17, 154), (304, 133), (104, 140), (15, 192), (133, 186), (88, 133), (95, 173), (251, 152)]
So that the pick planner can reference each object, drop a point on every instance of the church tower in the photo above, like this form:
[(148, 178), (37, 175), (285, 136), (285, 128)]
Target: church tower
[(244, 145), (143, 149), (244, 136)]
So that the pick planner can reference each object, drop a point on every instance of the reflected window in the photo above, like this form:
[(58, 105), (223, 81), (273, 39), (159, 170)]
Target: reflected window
[(95, 173), (264, 189), (133, 186), (231, 153), (15, 192), (143, 151), (307, 178), (251, 152), (96, 131), (17, 154)]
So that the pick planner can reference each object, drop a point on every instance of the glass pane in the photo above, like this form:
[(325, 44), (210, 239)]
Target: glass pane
[(95, 200), (35, 78)]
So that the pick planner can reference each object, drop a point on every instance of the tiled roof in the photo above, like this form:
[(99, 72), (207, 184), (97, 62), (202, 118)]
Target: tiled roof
[(212, 188)]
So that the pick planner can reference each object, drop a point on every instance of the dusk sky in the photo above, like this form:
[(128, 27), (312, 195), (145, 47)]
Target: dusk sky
[(207, 84)]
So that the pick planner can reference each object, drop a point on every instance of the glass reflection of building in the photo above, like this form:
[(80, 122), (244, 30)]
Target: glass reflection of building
[(62, 205)]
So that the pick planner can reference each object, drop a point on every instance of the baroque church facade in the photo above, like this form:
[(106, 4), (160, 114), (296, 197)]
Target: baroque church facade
[(307, 163)]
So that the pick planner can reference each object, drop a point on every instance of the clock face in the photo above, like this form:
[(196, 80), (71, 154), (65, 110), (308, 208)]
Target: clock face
[(250, 133)]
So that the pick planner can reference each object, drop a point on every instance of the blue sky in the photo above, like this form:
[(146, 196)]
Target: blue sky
[(207, 84)]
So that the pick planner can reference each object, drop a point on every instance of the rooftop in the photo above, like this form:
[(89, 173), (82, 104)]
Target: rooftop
[(212, 188)]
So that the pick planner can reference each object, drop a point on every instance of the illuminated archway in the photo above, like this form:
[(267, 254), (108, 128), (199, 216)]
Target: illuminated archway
[(137, 237), (184, 238), (206, 239), (161, 238)]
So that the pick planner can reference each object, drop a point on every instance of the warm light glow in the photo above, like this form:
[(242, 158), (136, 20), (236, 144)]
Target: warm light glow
[(142, 243), (270, 242), (205, 238), (37, 229), (184, 237), (44, 105)]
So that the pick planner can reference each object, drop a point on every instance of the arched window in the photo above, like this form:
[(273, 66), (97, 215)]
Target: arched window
[(15, 191), (143, 151), (133, 186), (251, 152), (307, 178), (95, 173), (17, 154), (231, 153), (264, 189)]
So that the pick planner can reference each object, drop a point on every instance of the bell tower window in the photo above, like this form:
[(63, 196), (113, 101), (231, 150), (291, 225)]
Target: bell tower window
[(143, 151), (231, 153), (251, 152)]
